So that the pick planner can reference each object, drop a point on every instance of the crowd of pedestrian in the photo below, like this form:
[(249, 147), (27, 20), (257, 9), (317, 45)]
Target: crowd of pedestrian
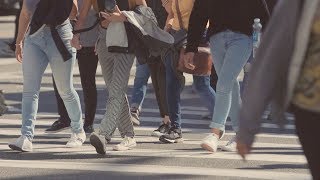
[(163, 36)]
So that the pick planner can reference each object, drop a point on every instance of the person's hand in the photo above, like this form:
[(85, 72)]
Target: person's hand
[(75, 42), (167, 28), (19, 52), (188, 60), (116, 16), (243, 149)]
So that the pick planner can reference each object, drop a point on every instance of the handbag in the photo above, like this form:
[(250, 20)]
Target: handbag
[(202, 59)]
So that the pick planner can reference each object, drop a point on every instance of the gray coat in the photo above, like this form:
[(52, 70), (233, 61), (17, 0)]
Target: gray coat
[(278, 64)]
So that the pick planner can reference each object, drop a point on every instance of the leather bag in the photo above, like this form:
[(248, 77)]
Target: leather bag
[(202, 59)]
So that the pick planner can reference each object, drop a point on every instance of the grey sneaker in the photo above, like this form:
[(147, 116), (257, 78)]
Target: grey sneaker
[(22, 144), (231, 146), (126, 144), (99, 142), (162, 129)]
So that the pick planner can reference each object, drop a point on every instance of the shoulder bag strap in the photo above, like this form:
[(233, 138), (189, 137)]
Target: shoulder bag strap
[(179, 14), (266, 7)]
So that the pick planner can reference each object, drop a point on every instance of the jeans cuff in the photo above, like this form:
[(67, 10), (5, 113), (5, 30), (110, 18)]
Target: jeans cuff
[(77, 130), (135, 105), (217, 126)]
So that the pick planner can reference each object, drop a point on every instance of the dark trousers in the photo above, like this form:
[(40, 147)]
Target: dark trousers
[(87, 61), (307, 127), (158, 77), (213, 78), (16, 22)]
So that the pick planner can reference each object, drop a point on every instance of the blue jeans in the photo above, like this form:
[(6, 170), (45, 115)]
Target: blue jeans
[(39, 51), (175, 84), (230, 51), (140, 85), (205, 91)]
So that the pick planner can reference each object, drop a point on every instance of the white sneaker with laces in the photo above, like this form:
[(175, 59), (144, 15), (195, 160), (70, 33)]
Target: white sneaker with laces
[(231, 146), (126, 144), (22, 144), (76, 140), (210, 143)]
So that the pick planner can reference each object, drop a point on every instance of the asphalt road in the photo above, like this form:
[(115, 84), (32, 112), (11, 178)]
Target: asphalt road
[(276, 154)]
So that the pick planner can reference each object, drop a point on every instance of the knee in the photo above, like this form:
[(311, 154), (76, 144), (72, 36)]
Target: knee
[(67, 93)]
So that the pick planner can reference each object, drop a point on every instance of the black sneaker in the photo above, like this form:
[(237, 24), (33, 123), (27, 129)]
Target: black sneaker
[(135, 113), (162, 129), (99, 142), (173, 136), (88, 129), (57, 126)]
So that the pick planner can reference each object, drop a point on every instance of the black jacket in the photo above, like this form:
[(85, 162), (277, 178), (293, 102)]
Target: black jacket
[(235, 15)]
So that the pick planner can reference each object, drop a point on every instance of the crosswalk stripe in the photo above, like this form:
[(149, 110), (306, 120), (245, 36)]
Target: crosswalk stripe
[(192, 153), (17, 122), (135, 168)]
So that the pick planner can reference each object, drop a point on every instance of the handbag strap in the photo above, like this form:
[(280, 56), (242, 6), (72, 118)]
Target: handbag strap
[(179, 14), (266, 7)]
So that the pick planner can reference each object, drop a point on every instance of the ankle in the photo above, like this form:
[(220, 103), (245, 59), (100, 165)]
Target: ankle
[(216, 132), (166, 120)]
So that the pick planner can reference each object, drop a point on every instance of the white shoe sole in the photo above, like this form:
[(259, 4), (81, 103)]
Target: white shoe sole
[(125, 149), (207, 147), (16, 148), (224, 148)]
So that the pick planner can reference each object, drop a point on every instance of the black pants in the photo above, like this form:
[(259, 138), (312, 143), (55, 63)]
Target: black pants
[(307, 127), (158, 77), (87, 61), (213, 78), (16, 22)]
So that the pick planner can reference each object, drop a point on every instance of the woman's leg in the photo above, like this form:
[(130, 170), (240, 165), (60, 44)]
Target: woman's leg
[(158, 76), (88, 62), (238, 49), (117, 112)]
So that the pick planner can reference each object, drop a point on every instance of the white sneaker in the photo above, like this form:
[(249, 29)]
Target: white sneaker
[(210, 143), (126, 144), (22, 144), (231, 146), (76, 140)]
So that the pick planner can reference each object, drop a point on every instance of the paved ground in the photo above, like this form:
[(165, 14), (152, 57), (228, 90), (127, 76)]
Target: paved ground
[(275, 156)]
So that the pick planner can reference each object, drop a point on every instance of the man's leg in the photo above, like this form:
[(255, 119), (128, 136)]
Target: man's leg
[(307, 127), (64, 121)]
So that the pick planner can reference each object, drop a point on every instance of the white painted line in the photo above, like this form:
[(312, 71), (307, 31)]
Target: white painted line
[(185, 130), (263, 155), (154, 169)]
